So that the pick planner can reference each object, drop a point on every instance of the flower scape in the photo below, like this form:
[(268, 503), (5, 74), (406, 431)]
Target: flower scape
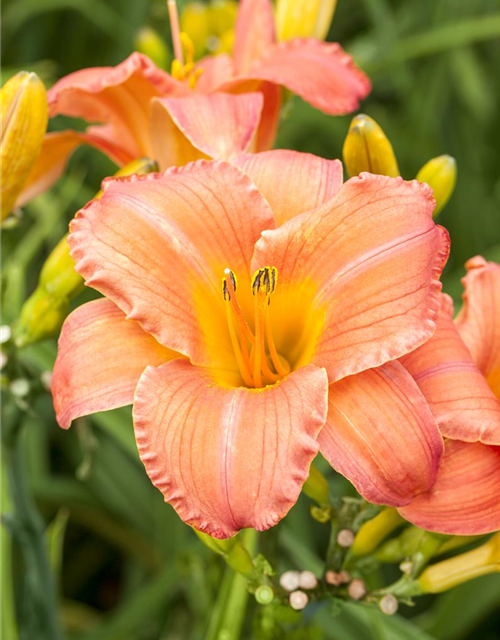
[(278, 323)]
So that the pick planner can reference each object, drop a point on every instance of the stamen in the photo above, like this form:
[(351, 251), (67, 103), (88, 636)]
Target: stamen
[(231, 284), (176, 30), (240, 346)]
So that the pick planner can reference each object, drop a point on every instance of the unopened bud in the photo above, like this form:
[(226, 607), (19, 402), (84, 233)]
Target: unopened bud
[(345, 538), (441, 175), (450, 573), (41, 317), (367, 148), (264, 594), (336, 579), (357, 589), (149, 42), (374, 531), (5, 333), (195, 20), (24, 122), (304, 18), (389, 604), (20, 387), (406, 566), (316, 486), (298, 600), (307, 580), (289, 580)]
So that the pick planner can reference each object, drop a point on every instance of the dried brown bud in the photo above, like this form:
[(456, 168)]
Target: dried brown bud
[(389, 604)]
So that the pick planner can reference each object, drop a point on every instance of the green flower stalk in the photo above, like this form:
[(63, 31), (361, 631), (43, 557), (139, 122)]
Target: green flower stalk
[(232, 550)]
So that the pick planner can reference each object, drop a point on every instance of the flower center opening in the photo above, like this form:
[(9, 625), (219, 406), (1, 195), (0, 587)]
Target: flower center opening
[(255, 351)]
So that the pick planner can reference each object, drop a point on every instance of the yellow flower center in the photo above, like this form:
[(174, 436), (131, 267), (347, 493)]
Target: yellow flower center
[(255, 351), (187, 71)]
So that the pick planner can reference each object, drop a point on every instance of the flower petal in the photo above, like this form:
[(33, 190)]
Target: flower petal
[(228, 458), (374, 255), (292, 182), (56, 150), (479, 320), (465, 499), (381, 435), (457, 393), (157, 245), (100, 359), (184, 127), (254, 33), (117, 96), (321, 73), (216, 70)]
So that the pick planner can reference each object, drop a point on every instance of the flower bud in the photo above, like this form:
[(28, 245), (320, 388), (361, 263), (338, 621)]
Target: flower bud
[(24, 122), (298, 600), (316, 486), (441, 175), (149, 42), (374, 531), (367, 148), (41, 317), (450, 573), (304, 18), (195, 21)]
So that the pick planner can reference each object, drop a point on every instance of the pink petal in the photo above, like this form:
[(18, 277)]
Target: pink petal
[(254, 33), (479, 319), (269, 121), (381, 435), (117, 96), (100, 359), (183, 129), (373, 256), (157, 245), (56, 149), (292, 182), (321, 73), (457, 393), (228, 458), (216, 70), (465, 499)]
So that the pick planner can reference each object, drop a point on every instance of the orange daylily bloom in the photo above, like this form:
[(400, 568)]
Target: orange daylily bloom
[(458, 371), (144, 111), (252, 325)]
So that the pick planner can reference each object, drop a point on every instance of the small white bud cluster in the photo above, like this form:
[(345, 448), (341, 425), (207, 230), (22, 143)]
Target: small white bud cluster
[(294, 581)]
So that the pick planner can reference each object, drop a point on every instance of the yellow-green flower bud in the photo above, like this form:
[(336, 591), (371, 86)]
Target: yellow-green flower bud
[(58, 276), (195, 21), (24, 122), (316, 487), (149, 42), (42, 316), (367, 148), (374, 531), (304, 18), (233, 551), (441, 175), (450, 573)]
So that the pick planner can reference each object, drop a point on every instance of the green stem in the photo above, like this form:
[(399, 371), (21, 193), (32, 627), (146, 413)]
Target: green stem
[(8, 625), (40, 617), (228, 616)]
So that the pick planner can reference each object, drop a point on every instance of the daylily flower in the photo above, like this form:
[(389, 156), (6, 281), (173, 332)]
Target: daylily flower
[(145, 111), (245, 346), (458, 371)]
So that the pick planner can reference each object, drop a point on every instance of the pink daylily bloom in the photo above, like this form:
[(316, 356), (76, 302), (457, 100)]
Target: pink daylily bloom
[(458, 371), (144, 111), (256, 340)]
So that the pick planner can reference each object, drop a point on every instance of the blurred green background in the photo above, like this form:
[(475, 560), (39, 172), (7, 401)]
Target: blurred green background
[(128, 569)]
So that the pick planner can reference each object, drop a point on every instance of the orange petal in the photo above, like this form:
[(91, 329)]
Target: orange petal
[(157, 245), (457, 393), (183, 128), (320, 73), (56, 150), (465, 499), (479, 320), (374, 255), (100, 359), (228, 458), (254, 33), (216, 70), (381, 435), (292, 182), (116, 96)]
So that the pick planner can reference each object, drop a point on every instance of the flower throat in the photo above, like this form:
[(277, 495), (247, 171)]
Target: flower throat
[(258, 361)]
